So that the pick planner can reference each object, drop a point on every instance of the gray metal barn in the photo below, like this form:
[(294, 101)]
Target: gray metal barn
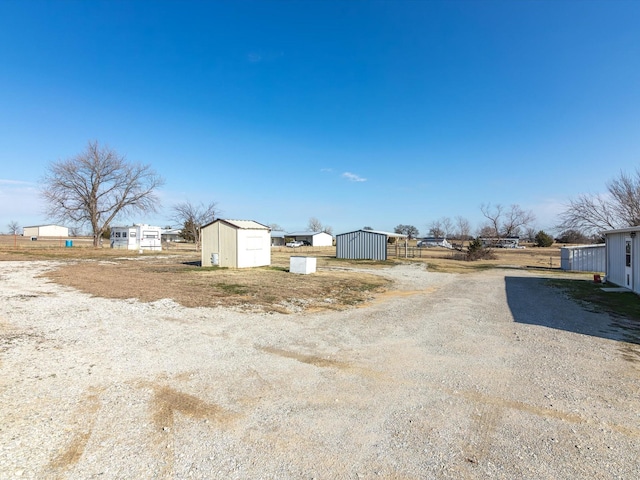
[(583, 258), (364, 244)]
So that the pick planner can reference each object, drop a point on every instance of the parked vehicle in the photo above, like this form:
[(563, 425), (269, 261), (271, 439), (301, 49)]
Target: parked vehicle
[(294, 244)]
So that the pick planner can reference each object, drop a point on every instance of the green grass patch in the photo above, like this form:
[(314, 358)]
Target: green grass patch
[(232, 288), (277, 269), (624, 304), (212, 268)]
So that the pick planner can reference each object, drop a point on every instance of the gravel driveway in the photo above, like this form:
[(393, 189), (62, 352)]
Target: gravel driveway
[(487, 375)]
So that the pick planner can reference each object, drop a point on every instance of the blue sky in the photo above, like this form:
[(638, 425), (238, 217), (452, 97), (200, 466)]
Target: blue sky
[(358, 113)]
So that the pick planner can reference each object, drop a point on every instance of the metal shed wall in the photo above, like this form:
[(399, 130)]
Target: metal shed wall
[(361, 244), (586, 258), (219, 238), (615, 259), (615, 262), (254, 249)]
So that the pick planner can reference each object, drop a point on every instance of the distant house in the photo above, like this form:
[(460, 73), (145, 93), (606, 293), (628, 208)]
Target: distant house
[(171, 235), (434, 242), (315, 239), (622, 260), (136, 237), (45, 231), (277, 238), (235, 244), (364, 244)]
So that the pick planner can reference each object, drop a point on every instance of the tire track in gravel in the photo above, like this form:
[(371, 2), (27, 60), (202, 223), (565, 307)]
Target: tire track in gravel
[(71, 453)]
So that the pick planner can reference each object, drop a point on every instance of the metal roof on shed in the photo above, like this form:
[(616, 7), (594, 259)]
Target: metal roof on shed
[(304, 234), (622, 230), (379, 232), (243, 224)]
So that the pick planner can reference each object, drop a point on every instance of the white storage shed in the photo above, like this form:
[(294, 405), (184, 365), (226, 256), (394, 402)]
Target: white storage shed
[(235, 244), (45, 231), (315, 239), (136, 237), (622, 262)]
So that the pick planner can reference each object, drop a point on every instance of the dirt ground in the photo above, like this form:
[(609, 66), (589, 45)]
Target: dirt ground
[(486, 374), (174, 273)]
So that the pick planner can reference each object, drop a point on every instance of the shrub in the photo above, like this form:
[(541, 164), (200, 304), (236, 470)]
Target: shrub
[(477, 251), (543, 239)]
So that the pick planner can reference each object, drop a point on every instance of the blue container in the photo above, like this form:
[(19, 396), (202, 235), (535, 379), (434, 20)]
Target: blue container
[(68, 243)]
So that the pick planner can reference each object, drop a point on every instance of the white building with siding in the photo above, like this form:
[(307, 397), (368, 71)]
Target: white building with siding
[(235, 244), (315, 239), (136, 237), (45, 231), (583, 258), (622, 260), (364, 244)]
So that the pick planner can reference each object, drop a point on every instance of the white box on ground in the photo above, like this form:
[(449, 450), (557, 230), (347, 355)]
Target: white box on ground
[(303, 265)]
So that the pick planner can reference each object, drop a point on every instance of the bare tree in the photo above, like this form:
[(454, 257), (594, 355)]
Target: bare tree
[(276, 227), (447, 226), (506, 222), (409, 230), (435, 229), (315, 225), (530, 234), (13, 227), (192, 217), (463, 228), (618, 208), (487, 231), (97, 186), (441, 228)]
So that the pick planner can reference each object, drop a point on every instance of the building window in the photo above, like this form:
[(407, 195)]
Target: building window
[(627, 255)]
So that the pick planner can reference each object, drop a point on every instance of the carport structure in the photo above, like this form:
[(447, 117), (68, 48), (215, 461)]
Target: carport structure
[(364, 244)]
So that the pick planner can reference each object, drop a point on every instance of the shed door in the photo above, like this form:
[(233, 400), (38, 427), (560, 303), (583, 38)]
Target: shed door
[(628, 263)]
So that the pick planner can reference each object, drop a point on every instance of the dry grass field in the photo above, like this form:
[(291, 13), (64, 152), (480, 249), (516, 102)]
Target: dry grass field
[(175, 273)]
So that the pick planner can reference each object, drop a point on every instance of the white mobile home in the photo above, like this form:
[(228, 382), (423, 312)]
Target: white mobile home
[(622, 259), (45, 231), (235, 244), (136, 237)]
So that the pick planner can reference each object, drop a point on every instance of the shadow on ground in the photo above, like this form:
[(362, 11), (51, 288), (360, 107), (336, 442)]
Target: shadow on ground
[(534, 302)]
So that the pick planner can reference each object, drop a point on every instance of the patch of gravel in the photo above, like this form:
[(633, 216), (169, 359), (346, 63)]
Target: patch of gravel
[(488, 375)]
